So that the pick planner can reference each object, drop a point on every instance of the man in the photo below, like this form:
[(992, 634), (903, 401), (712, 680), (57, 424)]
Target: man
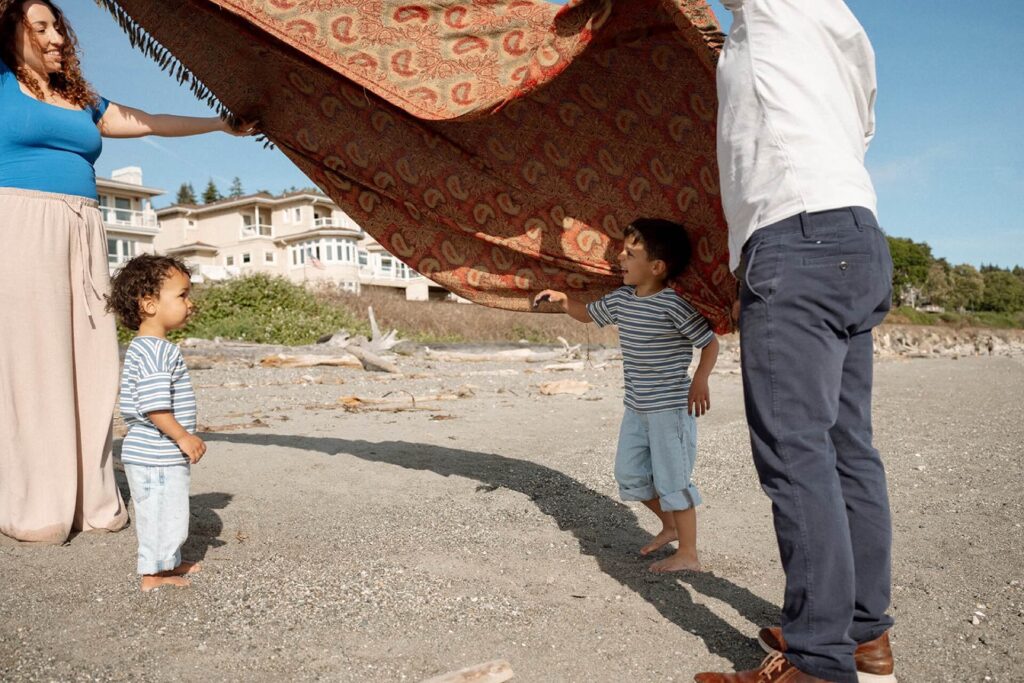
[(796, 84)]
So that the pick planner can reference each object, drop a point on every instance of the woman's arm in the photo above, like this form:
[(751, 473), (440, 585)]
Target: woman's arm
[(120, 121)]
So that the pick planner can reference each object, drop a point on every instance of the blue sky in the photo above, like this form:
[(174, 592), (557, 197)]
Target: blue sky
[(947, 159)]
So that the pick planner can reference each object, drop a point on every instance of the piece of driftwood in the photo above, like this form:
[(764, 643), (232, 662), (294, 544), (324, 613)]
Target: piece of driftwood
[(284, 360), (234, 427), (402, 398), (371, 361), (575, 366), (378, 342), (565, 386), (367, 350), (566, 353), (497, 671)]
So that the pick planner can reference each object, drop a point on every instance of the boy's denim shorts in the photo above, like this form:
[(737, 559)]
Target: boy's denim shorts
[(655, 458), (160, 496)]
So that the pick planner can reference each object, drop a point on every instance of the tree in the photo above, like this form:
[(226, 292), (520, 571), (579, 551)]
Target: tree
[(966, 288), (938, 284), (211, 193), (236, 188), (910, 263), (186, 194), (1004, 292)]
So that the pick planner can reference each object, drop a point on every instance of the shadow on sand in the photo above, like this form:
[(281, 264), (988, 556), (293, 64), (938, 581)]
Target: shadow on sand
[(604, 528)]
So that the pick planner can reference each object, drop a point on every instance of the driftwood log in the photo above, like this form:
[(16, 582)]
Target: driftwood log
[(497, 671), (566, 353), (367, 351)]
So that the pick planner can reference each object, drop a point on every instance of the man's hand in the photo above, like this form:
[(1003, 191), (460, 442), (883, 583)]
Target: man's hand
[(193, 447), (700, 397)]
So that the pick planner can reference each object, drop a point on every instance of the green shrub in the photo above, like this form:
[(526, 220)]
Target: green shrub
[(908, 315), (262, 309)]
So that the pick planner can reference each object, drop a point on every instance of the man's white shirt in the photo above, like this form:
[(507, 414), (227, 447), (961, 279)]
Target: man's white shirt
[(796, 89)]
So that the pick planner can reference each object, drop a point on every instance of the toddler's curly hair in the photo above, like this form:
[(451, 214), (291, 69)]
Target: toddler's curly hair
[(140, 277)]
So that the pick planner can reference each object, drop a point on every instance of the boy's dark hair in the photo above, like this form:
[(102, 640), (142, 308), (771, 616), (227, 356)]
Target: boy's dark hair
[(663, 240), (140, 277)]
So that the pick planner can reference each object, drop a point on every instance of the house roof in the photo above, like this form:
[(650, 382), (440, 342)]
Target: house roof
[(193, 247), (256, 198), (109, 184)]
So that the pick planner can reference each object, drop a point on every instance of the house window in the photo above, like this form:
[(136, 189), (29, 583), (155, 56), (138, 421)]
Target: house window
[(246, 258), (123, 210), (363, 258), (229, 260), (300, 251), (297, 214), (119, 251), (250, 228), (386, 264), (269, 257)]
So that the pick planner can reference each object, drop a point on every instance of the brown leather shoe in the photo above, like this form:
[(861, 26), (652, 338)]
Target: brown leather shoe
[(873, 658), (774, 669)]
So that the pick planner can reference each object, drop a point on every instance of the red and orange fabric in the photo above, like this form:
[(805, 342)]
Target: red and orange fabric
[(499, 147)]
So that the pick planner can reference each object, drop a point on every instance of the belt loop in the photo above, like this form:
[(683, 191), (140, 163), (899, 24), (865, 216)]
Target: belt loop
[(856, 219), (805, 227)]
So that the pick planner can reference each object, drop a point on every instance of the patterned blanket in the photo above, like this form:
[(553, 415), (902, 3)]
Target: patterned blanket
[(498, 147)]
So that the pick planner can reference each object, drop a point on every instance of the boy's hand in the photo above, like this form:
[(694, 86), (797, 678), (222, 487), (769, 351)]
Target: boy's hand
[(193, 447), (553, 296), (700, 397)]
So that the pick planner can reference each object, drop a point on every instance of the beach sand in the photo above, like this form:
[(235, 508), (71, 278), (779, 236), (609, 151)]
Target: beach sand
[(386, 543)]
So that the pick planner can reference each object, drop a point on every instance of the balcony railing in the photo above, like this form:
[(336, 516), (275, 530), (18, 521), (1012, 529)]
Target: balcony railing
[(257, 230), (129, 218), (324, 222)]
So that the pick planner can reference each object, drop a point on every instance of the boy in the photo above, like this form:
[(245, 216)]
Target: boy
[(657, 330), (151, 294)]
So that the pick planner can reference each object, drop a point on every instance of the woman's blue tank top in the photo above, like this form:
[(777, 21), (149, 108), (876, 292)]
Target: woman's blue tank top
[(45, 147)]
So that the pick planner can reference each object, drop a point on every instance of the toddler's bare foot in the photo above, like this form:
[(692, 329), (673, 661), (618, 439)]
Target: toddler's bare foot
[(186, 568), (666, 535), (153, 581), (678, 562)]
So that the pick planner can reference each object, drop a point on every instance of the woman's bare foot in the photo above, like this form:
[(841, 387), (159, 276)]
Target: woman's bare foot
[(666, 535), (153, 581), (678, 562), (186, 568)]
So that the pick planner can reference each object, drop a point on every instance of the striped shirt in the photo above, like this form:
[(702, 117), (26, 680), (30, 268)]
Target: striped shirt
[(154, 378), (657, 334)]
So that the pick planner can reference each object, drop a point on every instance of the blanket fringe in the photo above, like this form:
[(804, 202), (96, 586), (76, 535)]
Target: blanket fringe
[(168, 63)]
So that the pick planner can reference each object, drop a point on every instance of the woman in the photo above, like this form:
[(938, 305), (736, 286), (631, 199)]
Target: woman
[(58, 347)]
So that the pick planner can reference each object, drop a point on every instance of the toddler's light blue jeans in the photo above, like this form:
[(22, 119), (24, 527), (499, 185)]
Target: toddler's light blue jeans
[(160, 496), (655, 458)]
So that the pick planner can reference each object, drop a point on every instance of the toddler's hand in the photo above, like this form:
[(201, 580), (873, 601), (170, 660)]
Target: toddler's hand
[(700, 397), (193, 447)]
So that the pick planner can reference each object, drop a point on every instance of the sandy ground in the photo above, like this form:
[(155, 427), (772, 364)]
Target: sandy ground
[(381, 545)]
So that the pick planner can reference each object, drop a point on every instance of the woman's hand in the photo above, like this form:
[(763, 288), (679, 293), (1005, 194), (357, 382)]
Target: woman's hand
[(240, 128)]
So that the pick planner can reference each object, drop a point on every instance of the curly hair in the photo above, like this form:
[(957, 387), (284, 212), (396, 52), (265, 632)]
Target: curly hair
[(69, 83), (140, 277)]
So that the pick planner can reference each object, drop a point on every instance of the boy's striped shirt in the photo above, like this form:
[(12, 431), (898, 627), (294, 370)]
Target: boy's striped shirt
[(154, 378), (657, 334)]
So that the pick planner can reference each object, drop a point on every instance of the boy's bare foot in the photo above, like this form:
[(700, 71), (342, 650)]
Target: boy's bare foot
[(153, 581), (185, 568), (678, 562), (666, 535)]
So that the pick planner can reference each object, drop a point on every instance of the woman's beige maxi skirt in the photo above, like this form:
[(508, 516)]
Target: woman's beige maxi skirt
[(58, 369)]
